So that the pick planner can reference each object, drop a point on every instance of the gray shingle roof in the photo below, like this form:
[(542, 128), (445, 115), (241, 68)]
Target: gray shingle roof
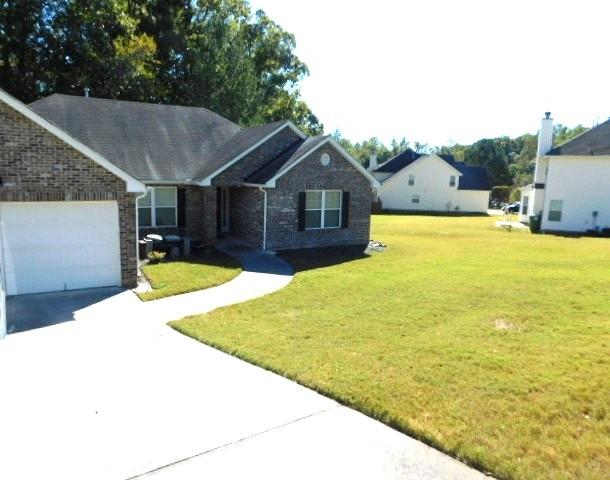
[(285, 159), (595, 141), (150, 142), (239, 143)]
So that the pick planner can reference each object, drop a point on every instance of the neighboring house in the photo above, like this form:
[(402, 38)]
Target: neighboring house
[(431, 183), (571, 188), (81, 179)]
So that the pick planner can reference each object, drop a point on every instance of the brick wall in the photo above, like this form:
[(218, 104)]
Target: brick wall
[(309, 174), (36, 166), (235, 175), (200, 216), (246, 214)]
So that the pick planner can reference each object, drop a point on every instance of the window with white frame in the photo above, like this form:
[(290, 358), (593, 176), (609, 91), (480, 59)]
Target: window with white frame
[(158, 208), (415, 199), (452, 181), (411, 179), (322, 209), (555, 209)]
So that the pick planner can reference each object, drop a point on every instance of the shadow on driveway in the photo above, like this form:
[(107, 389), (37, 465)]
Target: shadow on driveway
[(27, 312)]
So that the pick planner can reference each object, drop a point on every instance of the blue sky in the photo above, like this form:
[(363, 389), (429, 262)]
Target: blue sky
[(442, 71)]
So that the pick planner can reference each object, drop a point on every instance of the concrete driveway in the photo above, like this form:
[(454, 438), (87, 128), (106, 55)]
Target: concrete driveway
[(118, 398), (117, 394), (27, 312)]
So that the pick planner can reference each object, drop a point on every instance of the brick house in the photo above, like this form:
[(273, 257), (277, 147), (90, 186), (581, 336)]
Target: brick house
[(81, 179)]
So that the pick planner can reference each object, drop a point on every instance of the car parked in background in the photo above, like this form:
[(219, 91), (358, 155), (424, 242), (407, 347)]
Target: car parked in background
[(512, 207)]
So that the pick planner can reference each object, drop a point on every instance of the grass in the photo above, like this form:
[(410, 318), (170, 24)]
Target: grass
[(204, 269), (492, 346)]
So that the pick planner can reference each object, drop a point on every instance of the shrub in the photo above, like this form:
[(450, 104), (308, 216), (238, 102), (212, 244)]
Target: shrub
[(501, 193), (535, 223), (155, 256), (376, 206)]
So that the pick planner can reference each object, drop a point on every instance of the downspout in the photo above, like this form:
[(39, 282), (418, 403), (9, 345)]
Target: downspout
[(142, 195), (264, 218)]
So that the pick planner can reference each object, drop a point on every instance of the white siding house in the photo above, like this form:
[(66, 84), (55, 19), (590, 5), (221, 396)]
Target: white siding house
[(432, 183), (571, 187)]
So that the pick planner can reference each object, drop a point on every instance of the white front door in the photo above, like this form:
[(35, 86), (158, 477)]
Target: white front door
[(52, 246)]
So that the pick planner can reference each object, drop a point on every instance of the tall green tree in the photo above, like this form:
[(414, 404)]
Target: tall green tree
[(211, 53)]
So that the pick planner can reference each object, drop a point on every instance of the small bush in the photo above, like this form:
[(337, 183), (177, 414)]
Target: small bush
[(376, 206), (535, 223), (155, 256)]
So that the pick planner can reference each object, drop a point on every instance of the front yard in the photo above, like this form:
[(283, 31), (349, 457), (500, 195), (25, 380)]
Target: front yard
[(204, 269), (492, 346)]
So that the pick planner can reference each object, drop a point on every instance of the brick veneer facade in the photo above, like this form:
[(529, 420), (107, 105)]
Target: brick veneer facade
[(247, 204), (199, 215), (309, 174), (36, 166), (246, 214)]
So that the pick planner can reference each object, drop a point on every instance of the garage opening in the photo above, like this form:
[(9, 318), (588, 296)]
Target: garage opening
[(55, 246)]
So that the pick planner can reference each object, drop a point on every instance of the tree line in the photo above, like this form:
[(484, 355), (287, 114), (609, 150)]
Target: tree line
[(212, 53), (217, 54), (509, 161)]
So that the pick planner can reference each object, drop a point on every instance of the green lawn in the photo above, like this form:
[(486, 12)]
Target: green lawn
[(492, 346), (203, 270)]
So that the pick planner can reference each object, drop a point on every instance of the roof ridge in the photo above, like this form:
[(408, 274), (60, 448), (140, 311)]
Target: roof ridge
[(134, 102)]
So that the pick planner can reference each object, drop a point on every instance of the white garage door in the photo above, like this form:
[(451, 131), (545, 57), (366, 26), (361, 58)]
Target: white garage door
[(50, 246)]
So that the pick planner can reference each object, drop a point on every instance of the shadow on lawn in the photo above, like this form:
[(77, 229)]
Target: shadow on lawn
[(312, 258)]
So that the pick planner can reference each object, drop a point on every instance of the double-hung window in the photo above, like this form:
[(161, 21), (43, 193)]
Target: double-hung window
[(158, 208), (555, 209), (411, 179), (452, 180), (322, 209)]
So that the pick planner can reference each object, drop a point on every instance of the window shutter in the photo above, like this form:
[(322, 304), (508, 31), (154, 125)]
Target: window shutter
[(181, 208), (301, 211), (345, 210)]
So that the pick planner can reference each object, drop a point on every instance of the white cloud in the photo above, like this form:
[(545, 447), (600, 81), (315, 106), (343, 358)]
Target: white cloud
[(437, 70)]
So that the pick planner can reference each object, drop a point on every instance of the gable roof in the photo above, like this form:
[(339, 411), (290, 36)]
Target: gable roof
[(472, 177), (399, 162), (151, 142), (132, 184), (240, 145), (284, 159), (292, 156), (595, 141)]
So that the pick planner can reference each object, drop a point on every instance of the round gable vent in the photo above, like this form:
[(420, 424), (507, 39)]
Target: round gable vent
[(325, 159)]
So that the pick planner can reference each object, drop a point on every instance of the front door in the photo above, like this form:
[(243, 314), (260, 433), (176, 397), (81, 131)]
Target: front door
[(223, 209)]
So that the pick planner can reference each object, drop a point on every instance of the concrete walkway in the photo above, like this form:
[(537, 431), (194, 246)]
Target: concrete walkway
[(117, 394)]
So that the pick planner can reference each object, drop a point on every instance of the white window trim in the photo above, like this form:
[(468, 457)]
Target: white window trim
[(153, 208), (323, 209), (454, 179), (411, 178)]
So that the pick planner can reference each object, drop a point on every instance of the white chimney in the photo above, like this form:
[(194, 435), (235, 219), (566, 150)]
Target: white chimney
[(87, 92), (373, 162), (545, 135)]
